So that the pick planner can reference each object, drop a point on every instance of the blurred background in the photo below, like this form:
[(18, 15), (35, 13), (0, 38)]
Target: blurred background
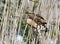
[(15, 30)]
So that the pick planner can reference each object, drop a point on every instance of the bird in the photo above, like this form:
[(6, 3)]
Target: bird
[(37, 18)]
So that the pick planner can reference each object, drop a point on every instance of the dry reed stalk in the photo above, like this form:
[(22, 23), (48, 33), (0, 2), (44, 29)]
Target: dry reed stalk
[(46, 5), (4, 16)]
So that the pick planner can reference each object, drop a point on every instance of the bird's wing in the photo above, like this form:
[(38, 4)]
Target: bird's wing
[(40, 17), (33, 14), (37, 18)]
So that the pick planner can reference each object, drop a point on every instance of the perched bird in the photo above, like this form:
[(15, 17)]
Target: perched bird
[(35, 19), (38, 19)]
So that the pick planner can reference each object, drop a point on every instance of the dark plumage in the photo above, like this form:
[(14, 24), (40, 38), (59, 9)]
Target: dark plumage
[(38, 19)]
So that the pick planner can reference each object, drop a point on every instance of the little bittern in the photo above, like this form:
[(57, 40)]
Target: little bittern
[(38, 19)]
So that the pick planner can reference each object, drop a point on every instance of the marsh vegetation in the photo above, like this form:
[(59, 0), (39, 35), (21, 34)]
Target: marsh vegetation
[(14, 29)]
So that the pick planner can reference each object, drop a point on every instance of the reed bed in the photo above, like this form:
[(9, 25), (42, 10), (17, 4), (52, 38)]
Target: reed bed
[(15, 30)]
